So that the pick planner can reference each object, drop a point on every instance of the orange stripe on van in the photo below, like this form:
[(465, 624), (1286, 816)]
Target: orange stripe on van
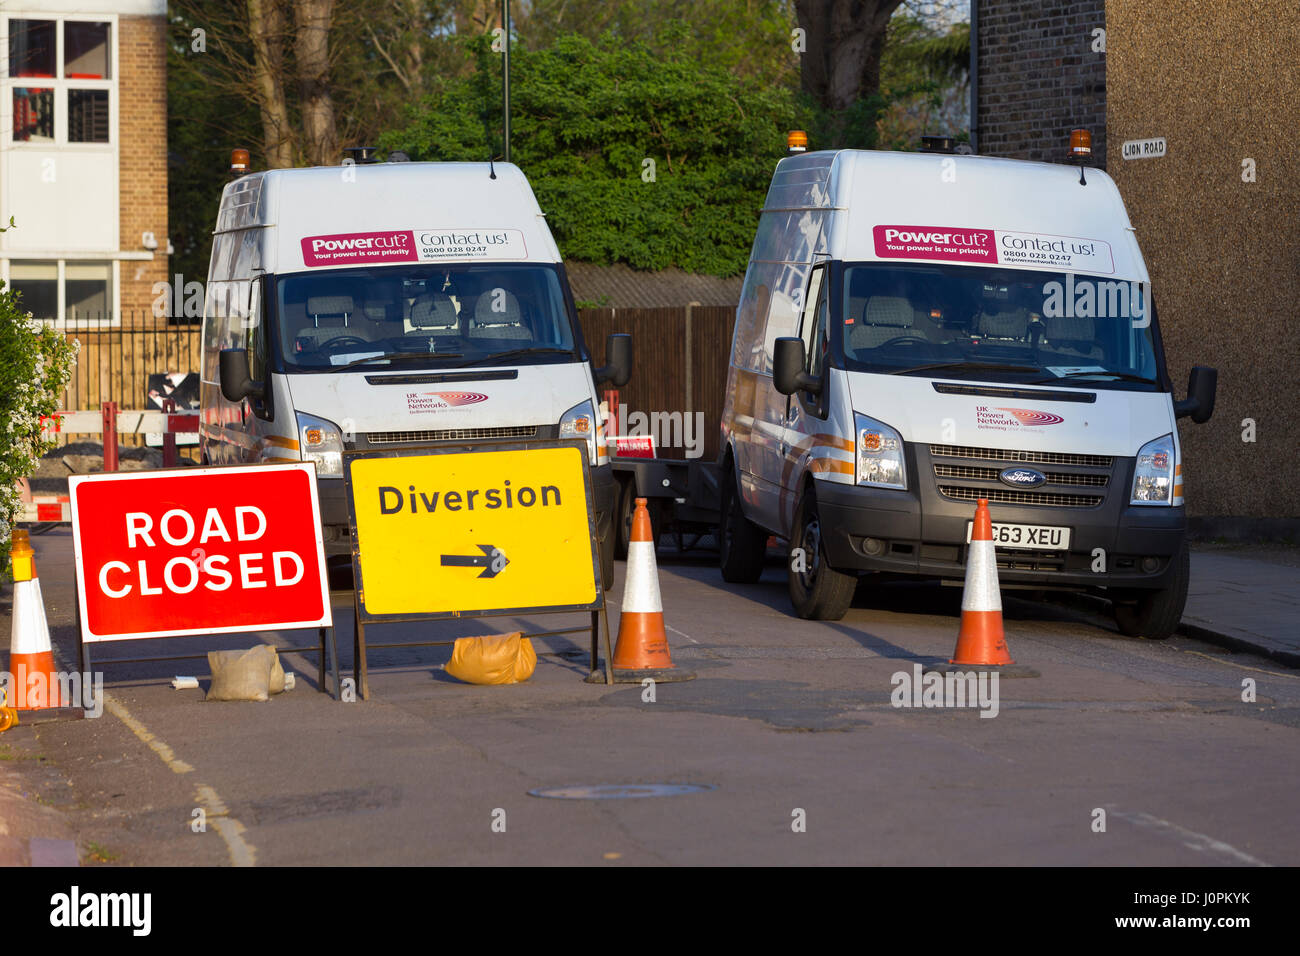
[(278, 442), (831, 466), (827, 440)]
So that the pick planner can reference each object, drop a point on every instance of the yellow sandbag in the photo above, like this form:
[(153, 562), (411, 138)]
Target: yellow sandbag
[(493, 659)]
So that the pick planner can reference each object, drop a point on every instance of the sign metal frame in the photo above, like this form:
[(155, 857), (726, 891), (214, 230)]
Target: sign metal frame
[(597, 608)]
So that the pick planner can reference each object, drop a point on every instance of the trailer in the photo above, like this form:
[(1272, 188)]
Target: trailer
[(681, 493)]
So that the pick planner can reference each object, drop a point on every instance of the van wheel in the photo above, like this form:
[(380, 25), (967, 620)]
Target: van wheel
[(1155, 615), (817, 591), (741, 543)]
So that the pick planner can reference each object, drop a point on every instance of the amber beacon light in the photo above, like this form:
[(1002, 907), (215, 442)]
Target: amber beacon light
[(239, 160), (1080, 150), (796, 141)]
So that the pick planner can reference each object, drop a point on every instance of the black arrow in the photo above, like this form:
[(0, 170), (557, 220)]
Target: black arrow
[(493, 561)]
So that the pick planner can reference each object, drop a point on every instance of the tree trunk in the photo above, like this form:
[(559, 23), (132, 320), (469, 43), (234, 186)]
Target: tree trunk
[(266, 30), (845, 40), (311, 52), (416, 24)]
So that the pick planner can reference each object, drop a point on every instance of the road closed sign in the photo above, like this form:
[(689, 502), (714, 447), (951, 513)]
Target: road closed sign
[(473, 532), (198, 551)]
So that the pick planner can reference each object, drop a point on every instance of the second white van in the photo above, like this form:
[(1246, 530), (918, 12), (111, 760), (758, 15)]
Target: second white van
[(919, 331)]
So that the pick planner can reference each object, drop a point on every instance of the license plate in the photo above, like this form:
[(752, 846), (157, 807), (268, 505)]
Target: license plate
[(1036, 537)]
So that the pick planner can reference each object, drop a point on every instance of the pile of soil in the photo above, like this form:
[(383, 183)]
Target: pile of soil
[(86, 457)]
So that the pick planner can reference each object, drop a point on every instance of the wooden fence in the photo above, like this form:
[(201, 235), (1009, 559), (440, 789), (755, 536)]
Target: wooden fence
[(679, 363), (115, 364)]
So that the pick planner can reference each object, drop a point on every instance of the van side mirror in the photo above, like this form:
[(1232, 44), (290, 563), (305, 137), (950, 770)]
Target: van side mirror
[(618, 355), (235, 383), (1202, 384), (788, 363)]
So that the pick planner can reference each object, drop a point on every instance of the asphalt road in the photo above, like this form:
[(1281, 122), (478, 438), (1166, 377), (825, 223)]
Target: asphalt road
[(784, 716)]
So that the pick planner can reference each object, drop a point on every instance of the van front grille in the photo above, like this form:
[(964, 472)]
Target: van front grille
[(1014, 456), (1012, 496), (451, 434), (991, 474), (968, 473)]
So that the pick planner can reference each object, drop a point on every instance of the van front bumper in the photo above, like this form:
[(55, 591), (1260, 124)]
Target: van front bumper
[(922, 532)]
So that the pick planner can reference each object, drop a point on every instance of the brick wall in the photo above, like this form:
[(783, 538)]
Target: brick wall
[(142, 124), (1218, 220), (1039, 78)]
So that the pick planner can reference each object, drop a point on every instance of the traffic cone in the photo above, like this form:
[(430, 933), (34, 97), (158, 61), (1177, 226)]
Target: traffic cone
[(980, 642), (35, 682), (642, 648)]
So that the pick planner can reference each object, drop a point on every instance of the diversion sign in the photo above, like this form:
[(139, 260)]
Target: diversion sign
[(473, 531)]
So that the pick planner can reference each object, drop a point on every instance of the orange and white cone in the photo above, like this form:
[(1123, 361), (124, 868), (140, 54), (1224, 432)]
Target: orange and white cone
[(981, 642), (34, 680), (642, 649)]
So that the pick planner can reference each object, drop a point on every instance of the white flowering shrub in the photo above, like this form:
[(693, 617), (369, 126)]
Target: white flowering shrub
[(35, 365)]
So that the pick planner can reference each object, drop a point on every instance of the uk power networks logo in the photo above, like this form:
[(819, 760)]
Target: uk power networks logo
[(1011, 419), (438, 401)]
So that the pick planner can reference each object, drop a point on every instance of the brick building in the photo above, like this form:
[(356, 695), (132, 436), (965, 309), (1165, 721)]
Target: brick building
[(1216, 212), (1040, 71), (83, 157)]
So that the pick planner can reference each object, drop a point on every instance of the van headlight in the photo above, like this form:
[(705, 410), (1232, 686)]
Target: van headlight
[(580, 422), (1153, 478), (879, 453), (322, 442)]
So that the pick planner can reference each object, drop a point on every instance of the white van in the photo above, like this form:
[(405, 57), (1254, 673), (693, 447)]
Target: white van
[(918, 331), (375, 305)]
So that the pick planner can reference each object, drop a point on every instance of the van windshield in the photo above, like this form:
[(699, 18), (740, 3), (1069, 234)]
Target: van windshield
[(998, 324), (437, 314)]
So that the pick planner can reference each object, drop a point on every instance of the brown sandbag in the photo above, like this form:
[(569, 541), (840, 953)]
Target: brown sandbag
[(276, 681), (493, 659), (242, 675)]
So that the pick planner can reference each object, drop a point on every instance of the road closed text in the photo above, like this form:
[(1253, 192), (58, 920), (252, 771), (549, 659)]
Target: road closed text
[(181, 574), (199, 551)]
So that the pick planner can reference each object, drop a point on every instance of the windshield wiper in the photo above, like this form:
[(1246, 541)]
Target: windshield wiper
[(511, 353), (396, 357), (969, 367), (1122, 376)]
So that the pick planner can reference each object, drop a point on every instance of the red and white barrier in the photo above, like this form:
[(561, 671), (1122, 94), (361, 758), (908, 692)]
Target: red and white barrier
[(109, 422)]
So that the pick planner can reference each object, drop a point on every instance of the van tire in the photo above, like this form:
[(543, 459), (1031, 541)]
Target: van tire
[(742, 545), (1155, 615), (818, 593)]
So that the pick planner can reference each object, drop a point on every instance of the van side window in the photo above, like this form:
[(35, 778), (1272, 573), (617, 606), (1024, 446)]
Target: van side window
[(255, 340), (813, 327), (820, 342)]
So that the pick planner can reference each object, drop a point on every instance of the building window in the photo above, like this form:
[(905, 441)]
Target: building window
[(72, 105), (86, 51), (81, 291), (33, 115), (87, 291), (38, 285), (87, 116), (31, 48)]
